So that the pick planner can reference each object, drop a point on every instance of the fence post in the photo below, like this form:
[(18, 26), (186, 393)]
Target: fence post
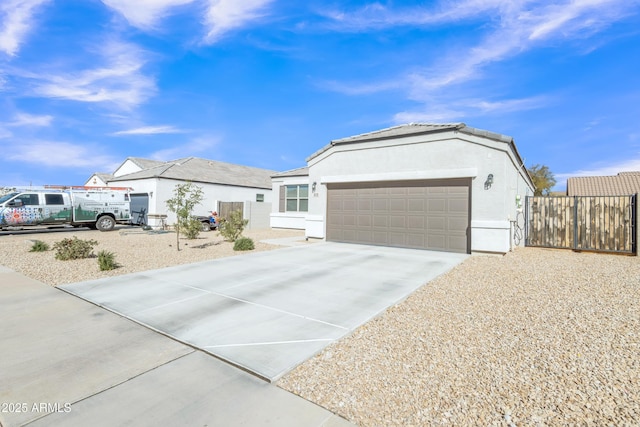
[(575, 222)]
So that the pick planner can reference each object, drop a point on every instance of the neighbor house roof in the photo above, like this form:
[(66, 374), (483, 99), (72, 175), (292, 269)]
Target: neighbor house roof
[(103, 176), (205, 171), (623, 184), (304, 171)]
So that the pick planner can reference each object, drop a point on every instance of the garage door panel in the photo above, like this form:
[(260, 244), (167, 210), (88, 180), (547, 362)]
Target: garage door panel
[(436, 206), (349, 205), (397, 221), (416, 240), (459, 244), (365, 237), (436, 223), (414, 214), (416, 205), (416, 223), (436, 241), (397, 205), (381, 205), (456, 223), (380, 237), (380, 221), (349, 220), (364, 221), (456, 205), (364, 205), (397, 239)]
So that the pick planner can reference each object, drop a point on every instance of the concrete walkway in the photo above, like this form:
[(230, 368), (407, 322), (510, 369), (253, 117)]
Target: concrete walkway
[(267, 312), (66, 362)]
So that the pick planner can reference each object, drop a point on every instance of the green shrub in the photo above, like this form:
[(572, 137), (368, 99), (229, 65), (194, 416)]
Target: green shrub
[(231, 228), (39, 246), (191, 228), (74, 248), (243, 244), (107, 261)]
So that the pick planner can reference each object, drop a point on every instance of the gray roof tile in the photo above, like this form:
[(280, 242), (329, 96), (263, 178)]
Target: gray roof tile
[(205, 171)]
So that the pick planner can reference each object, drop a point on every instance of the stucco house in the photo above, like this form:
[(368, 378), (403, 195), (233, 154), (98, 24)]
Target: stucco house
[(447, 187), (153, 183)]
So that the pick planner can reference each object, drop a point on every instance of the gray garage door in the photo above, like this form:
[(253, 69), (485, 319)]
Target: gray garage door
[(432, 214)]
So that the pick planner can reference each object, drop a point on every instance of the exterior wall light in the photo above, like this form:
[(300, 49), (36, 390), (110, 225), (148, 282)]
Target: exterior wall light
[(488, 182), (313, 187)]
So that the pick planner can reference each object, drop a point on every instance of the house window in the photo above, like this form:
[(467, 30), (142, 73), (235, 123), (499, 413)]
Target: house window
[(259, 197), (297, 198)]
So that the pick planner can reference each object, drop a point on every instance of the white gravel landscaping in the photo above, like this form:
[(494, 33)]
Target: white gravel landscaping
[(134, 249), (537, 337)]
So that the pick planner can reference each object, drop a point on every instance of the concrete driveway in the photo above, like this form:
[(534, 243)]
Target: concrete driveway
[(267, 312)]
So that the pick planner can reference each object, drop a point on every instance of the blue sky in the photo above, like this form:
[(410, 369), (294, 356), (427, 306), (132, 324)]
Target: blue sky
[(265, 83)]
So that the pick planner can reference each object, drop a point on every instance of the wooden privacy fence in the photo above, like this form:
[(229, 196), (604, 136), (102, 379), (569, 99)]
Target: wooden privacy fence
[(225, 208), (603, 223)]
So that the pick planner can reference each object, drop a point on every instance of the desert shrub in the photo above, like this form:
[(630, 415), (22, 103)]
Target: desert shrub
[(243, 244), (231, 228), (39, 246), (107, 261), (191, 228), (74, 248)]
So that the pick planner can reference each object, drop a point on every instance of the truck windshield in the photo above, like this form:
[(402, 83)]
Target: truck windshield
[(7, 197)]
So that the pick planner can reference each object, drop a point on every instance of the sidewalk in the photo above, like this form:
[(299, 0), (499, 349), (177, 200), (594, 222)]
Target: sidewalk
[(67, 362)]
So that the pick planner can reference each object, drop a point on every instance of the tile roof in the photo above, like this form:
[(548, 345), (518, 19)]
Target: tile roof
[(205, 171), (414, 129), (304, 171), (623, 184)]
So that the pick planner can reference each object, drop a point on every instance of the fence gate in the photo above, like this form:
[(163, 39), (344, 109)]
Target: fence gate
[(603, 223), (225, 208)]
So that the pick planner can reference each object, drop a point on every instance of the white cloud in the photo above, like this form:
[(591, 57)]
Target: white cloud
[(5, 133), (61, 154), (148, 130), (119, 80), (458, 109), (225, 15), (144, 14), (24, 119), (630, 165), (508, 29), (196, 147), (16, 22)]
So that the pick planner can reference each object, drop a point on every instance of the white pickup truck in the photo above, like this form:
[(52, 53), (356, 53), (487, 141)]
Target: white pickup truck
[(95, 207)]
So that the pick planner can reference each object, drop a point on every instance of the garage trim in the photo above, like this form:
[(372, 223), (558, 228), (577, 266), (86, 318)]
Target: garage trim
[(403, 176)]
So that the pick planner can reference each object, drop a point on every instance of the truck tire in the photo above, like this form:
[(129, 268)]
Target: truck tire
[(205, 226), (105, 223)]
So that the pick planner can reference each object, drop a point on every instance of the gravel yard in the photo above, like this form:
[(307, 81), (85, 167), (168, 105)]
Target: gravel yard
[(134, 249), (537, 337)]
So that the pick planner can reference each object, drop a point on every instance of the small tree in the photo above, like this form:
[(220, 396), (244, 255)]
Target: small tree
[(542, 178), (231, 228), (185, 198)]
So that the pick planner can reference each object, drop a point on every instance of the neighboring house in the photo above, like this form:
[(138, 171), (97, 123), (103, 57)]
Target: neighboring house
[(99, 180), (623, 184), (447, 187), (153, 183)]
